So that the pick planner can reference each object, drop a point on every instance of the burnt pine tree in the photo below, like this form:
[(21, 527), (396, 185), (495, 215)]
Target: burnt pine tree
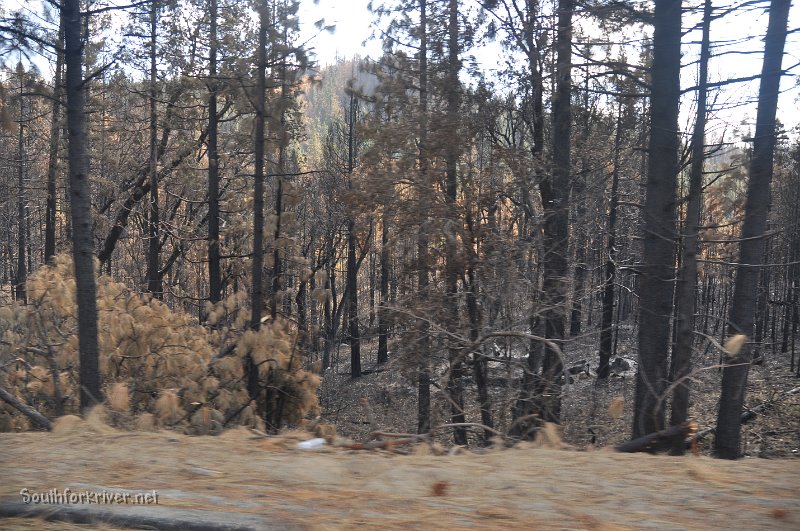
[(555, 200), (81, 206), (214, 272), (658, 259), (259, 102), (407, 77), (352, 243), (383, 321), (153, 275), (751, 247), (22, 269), (526, 34), (423, 267), (455, 387), (55, 136), (681, 363), (607, 317)]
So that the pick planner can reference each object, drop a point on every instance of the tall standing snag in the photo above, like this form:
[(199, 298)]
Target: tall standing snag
[(424, 377), (751, 247), (214, 272), (257, 291), (687, 276), (555, 199), (55, 136), (81, 206), (658, 260), (153, 277)]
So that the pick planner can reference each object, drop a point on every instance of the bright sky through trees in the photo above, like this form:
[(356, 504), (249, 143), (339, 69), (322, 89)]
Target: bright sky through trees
[(738, 32), (738, 36)]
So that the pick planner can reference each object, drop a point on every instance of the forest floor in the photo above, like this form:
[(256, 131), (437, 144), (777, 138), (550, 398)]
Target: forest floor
[(591, 416), (242, 481)]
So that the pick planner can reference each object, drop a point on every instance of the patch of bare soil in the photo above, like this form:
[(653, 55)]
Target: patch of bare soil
[(252, 482)]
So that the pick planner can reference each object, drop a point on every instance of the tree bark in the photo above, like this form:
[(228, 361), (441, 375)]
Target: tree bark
[(276, 272), (22, 269), (686, 293), (383, 321), (214, 271), (555, 199), (480, 366), (28, 411), (751, 247), (658, 259), (81, 208), (352, 264), (352, 301), (657, 441), (423, 367), (607, 314), (52, 161), (581, 235), (455, 387), (524, 405), (153, 278), (257, 290)]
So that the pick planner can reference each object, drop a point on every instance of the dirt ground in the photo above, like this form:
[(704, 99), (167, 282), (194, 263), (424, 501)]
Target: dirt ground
[(252, 482)]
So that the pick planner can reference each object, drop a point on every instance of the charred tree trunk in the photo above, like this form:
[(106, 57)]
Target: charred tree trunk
[(214, 270), (658, 260), (22, 268), (257, 288), (555, 199), (480, 366), (523, 407), (581, 235), (81, 207), (352, 301), (686, 295), (455, 387), (607, 317), (751, 247), (52, 161), (352, 263), (383, 321), (424, 378), (153, 277), (276, 272), (762, 310)]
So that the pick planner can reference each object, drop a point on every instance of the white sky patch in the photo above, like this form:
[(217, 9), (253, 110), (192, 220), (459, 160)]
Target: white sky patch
[(735, 106), (353, 29)]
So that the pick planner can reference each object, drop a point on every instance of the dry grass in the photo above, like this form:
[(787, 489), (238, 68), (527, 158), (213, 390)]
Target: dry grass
[(522, 488)]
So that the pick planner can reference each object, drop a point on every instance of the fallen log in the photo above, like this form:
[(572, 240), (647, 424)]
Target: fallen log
[(28, 411), (379, 434), (382, 445), (477, 425), (658, 441)]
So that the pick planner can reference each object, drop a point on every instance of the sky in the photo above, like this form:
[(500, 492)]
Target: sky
[(354, 29), (354, 26)]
